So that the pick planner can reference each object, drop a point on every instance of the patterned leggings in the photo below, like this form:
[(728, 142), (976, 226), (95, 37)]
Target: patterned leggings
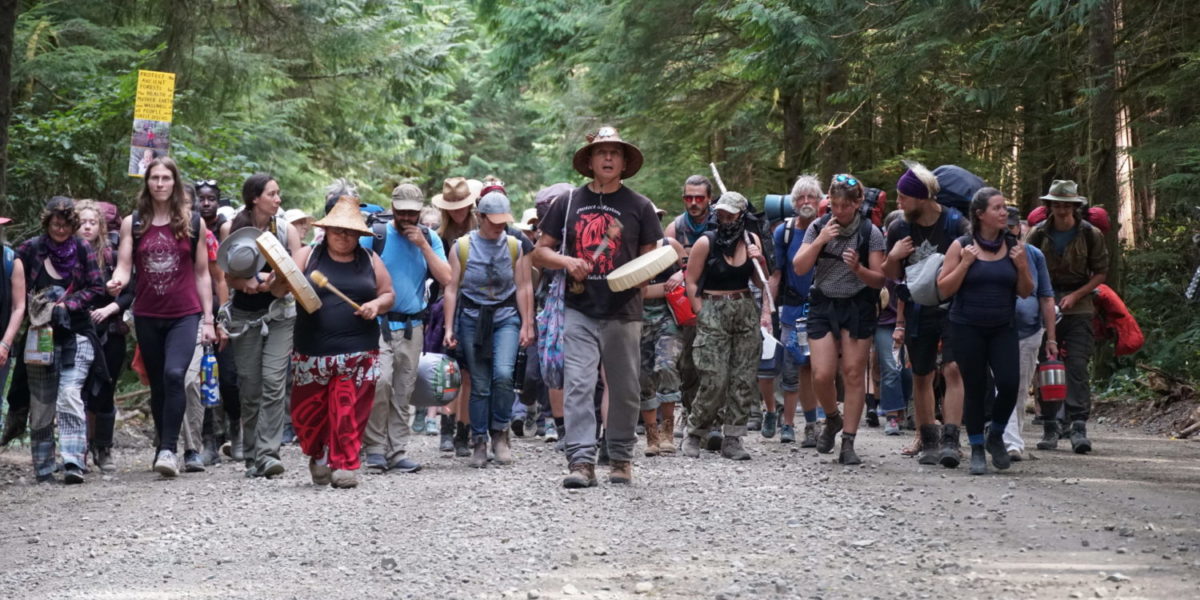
[(57, 393), (331, 403)]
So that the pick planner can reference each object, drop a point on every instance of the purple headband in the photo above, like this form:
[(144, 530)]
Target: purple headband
[(910, 185)]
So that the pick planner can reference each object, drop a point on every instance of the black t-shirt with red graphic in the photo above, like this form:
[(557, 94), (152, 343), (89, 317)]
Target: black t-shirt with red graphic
[(589, 215)]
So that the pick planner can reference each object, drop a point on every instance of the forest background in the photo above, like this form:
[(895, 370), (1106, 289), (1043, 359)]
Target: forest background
[(1105, 92)]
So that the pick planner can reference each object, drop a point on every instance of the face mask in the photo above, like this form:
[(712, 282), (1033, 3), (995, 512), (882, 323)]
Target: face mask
[(728, 235)]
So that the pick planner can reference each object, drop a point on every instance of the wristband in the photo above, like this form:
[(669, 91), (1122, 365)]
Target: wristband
[(5, 345), (899, 328)]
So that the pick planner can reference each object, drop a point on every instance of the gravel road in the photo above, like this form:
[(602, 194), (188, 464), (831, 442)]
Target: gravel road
[(1120, 523)]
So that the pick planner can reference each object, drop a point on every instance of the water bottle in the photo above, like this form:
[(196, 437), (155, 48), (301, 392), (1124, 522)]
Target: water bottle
[(210, 389), (802, 335)]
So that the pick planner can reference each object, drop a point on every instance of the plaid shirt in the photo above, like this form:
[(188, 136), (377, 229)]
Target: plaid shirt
[(85, 282)]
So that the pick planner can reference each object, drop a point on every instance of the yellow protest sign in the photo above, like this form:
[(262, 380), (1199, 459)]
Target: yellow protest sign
[(155, 96)]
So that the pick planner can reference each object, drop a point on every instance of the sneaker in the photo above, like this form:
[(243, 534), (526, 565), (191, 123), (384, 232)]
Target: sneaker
[(431, 427), (321, 474), (289, 434), (892, 427), (271, 467), (1015, 455), (551, 433), (376, 463), (404, 465), (810, 436), (787, 434), (104, 460), (166, 464), (72, 474), (582, 475), (418, 424), (770, 424), (541, 428), (344, 479), (447, 443), (621, 472), (192, 463)]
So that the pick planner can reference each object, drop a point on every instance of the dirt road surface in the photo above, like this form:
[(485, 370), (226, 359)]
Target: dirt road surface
[(1123, 522)]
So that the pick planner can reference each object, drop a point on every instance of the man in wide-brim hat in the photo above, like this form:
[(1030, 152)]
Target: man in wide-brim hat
[(1077, 259), (456, 194), (607, 225)]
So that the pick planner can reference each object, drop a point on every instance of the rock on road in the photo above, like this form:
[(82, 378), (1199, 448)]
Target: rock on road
[(1119, 523)]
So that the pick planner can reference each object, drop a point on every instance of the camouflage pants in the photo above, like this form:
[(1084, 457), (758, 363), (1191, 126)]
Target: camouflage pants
[(660, 356), (725, 352)]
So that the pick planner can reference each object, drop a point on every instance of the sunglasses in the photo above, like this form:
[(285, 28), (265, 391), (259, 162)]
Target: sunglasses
[(846, 179), (695, 199)]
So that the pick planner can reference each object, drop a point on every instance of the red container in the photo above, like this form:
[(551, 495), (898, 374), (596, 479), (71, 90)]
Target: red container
[(1052, 381), (681, 307)]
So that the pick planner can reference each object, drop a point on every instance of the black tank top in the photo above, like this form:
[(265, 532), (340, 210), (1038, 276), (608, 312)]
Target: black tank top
[(726, 277), (334, 329)]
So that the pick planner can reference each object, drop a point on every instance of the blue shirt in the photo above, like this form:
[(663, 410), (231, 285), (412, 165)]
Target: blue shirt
[(1029, 310), (783, 258), (408, 269)]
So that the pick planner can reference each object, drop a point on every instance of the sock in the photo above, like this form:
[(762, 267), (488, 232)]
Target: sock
[(560, 424), (976, 439), (820, 413), (810, 416), (848, 438)]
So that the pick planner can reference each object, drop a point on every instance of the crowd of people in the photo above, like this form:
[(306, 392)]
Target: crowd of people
[(928, 319)]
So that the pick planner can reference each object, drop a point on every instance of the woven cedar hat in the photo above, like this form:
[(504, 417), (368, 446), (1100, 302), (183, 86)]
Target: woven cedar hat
[(345, 214)]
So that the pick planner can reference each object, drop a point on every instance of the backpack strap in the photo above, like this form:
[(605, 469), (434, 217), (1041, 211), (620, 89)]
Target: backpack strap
[(9, 258), (379, 237), (789, 228), (464, 251)]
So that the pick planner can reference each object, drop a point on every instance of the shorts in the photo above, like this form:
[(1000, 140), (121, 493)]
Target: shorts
[(856, 315), (932, 328)]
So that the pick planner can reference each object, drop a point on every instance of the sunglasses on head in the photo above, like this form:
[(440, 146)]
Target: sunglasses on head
[(846, 179)]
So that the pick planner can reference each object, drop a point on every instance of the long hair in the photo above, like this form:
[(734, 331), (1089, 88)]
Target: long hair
[(926, 176), (450, 230), (979, 203), (180, 209), (251, 190), (101, 243)]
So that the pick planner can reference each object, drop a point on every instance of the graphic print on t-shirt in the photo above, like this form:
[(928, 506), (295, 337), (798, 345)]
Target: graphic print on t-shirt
[(590, 230), (161, 260)]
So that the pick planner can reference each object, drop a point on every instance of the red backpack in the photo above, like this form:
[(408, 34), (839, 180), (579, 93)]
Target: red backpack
[(1113, 319)]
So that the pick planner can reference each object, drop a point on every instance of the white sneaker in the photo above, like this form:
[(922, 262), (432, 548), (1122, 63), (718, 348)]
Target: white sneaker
[(551, 433), (166, 464)]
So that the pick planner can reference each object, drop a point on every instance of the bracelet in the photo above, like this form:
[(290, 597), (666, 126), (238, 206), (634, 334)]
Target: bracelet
[(5, 344)]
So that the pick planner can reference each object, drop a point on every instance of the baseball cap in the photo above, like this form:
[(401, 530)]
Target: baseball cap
[(731, 202), (496, 208), (407, 196)]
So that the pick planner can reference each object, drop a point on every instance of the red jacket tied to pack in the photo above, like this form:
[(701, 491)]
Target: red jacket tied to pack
[(1113, 319)]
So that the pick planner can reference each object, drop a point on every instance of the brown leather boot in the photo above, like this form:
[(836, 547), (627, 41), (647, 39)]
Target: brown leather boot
[(478, 451), (501, 448), (621, 473), (582, 475), (666, 440), (652, 448)]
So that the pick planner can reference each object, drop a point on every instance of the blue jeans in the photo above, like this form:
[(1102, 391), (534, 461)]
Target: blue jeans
[(491, 381), (891, 383)]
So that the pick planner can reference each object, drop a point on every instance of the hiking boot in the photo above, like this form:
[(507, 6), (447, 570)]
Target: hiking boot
[(166, 464), (691, 446), (192, 462), (271, 467), (72, 474), (652, 447), (787, 434), (1050, 433), (103, 459), (872, 418), (951, 452), (929, 453), (1079, 440), (712, 443), (995, 446), (731, 448), (810, 436), (978, 459), (518, 427), (478, 451), (770, 424), (235, 450), (848, 456), (621, 472), (666, 441), (447, 442), (501, 448), (462, 447), (582, 475), (211, 455), (344, 479), (833, 424), (321, 474)]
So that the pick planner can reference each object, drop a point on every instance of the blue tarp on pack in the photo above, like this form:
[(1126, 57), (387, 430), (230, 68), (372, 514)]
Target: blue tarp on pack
[(957, 185)]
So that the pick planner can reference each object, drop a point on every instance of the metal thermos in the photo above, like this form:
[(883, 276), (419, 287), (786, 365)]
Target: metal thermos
[(1052, 381)]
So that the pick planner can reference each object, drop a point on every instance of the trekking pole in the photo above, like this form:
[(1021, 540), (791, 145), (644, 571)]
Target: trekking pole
[(766, 289)]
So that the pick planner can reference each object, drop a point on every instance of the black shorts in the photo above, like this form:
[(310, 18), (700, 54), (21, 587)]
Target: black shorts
[(857, 315), (932, 328)]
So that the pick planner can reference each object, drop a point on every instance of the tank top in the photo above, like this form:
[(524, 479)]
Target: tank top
[(166, 275), (725, 277), (335, 329), (988, 295)]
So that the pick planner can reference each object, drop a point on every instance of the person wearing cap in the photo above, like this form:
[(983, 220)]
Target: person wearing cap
[(846, 250), (172, 296), (985, 272), (606, 225), (335, 364), (1077, 259), (260, 322), (927, 228), (300, 220), (12, 312), (1035, 320), (411, 255), (489, 312), (721, 266), (660, 357)]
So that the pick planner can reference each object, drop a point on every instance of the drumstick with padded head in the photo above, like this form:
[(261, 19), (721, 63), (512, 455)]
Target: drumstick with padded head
[(321, 280)]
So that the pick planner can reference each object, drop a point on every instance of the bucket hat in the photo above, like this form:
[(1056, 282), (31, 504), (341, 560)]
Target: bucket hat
[(239, 256), (456, 194), (607, 135), (1064, 190)]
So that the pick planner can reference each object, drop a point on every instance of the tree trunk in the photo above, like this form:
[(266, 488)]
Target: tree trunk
[(1102, 126), (833, 153), (793, 134), (1128, 215), (8, 24)]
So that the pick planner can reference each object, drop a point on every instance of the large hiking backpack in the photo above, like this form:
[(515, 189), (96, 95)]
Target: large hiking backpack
[(957, 186)]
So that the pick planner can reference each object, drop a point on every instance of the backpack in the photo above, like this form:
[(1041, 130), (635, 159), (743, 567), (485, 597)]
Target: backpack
[(864, 239), (514, 248), (956, 187), (921, 277), (872, 207), (1113, 319)]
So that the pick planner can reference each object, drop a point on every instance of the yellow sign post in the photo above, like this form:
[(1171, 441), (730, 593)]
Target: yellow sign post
[(151, 120)]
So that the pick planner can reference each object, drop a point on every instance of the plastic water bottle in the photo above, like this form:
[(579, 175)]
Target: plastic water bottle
[(802, 336), (210, 388)]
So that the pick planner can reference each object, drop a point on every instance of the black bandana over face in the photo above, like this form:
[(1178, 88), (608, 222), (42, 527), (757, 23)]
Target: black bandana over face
[(729, 234)]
